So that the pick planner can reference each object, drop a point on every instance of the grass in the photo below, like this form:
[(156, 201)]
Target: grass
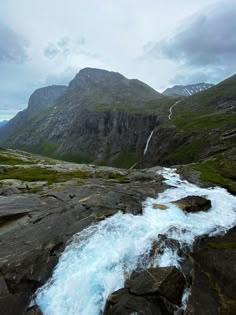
[(160, 106), (124, 160), (9, 160), (186, 153), (34, 174), (210, 121), (219, 172)]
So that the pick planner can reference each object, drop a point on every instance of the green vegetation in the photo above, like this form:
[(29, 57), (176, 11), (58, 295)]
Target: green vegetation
[(160, 106), (228, 245), (33, 174), (218, 171), (77, 157), (209, 121), (10, 160), (124, 160), (186, 153)]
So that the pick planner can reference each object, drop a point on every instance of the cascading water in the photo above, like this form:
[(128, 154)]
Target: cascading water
[(98, 259), (147, 143)]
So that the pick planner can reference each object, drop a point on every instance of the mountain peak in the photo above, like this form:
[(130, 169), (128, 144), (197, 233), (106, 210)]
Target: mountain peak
[(187, 90), (88, 76), (45, 96)]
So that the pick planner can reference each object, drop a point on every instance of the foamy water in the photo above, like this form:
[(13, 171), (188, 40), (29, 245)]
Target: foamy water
[(98, 259)]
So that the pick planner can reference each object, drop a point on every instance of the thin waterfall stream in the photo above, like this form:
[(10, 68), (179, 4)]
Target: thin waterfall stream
[(147, 143), (98, 259)]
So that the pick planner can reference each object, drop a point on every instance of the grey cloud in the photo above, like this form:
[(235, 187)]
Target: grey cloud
[(204, 48), (13, 47), (64, 46), (209, 40)]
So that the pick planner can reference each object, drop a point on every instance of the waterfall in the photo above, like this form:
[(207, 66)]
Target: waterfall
[(99, 258), (147, 143)]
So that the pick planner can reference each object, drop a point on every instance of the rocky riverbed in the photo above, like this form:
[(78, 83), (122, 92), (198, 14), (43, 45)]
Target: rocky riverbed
[(39, 216)]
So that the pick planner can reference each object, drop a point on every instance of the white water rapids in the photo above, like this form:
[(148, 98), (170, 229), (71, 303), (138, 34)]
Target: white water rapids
[(98, 259)]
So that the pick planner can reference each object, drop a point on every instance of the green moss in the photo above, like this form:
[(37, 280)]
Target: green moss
[(221, 245), (8, 160), (118, 177), (34, 174)]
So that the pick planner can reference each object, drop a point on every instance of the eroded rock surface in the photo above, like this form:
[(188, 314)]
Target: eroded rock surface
[(153, 291), (35, 228)]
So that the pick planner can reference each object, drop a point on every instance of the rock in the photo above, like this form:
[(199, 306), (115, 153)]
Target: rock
[(34, 310), (125, 303), (153, 291), (35, 228), (193, 204), (214, 270), (159, 206), (165, 281), (3, 287)]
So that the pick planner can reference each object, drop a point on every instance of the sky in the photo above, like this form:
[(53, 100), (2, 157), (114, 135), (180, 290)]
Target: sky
[(162, 43)]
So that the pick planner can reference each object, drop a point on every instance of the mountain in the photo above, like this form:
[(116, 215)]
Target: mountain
[(187, 90), (3, 122), (105, 118), (88, 122)]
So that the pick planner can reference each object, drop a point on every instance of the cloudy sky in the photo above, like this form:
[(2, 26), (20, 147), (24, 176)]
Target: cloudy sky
[(160, 42)]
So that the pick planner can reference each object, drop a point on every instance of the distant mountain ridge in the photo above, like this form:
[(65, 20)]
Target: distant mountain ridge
[(3, 122), (187, 90)]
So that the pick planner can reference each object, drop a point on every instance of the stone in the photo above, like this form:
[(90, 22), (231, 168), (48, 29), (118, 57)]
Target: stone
[(214, 269), (193, 204), (155, 291), (168, 282), (159, 206)]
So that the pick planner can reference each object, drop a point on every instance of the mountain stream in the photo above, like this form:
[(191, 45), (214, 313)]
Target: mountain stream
[(98, 259)]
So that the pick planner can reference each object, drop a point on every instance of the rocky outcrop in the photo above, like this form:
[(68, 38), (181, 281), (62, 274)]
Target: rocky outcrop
[(35, 228), (214, 287), (44, 98), (154, 291), (193, 204)]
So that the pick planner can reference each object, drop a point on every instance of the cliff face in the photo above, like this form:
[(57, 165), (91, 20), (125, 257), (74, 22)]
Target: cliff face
[(79, 123), (43, 98)]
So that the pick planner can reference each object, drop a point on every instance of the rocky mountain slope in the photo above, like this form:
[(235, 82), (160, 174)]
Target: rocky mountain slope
[(186, 90), (79, 125), (3, 122)]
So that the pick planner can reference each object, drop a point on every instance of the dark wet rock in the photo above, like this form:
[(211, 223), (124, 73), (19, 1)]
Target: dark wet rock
[(14, 304), (122, 302), (34, 310), (153, 291), (193, 204), (214, 270), (166, 281)]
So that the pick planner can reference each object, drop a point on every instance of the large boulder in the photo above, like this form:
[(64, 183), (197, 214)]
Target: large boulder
[(193, 204), (214, 269), (151, 292)]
